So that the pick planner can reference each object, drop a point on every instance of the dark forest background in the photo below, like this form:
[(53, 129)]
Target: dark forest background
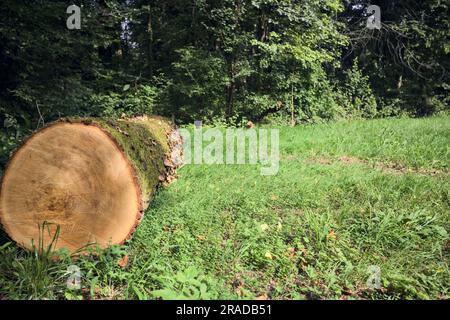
[(220, 61)]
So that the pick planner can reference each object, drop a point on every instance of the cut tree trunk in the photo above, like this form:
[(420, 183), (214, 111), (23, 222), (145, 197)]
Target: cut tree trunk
[(91, 177)]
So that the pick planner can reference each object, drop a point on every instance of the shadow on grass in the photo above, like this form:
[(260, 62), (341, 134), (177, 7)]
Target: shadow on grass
[(4, 237)]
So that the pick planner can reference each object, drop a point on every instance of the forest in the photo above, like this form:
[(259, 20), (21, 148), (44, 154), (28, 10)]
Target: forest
[(225, 61)]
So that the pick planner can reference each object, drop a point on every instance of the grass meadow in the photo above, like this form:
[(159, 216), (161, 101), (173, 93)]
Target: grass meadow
[(349, 197)]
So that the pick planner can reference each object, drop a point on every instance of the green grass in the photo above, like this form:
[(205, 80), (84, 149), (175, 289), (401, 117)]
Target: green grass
[(311, 231)]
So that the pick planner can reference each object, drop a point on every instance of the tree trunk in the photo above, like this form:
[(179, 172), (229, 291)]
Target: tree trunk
[(91, 177), (230, 92), (292, 106), (150, 42)]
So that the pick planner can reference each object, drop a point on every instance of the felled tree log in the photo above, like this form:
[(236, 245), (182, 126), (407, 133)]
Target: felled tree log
[(91, 177)]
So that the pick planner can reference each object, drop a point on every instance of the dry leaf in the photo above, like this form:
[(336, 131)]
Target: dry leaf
[(331, 235), (262, 297), (290, 252), (168, 163), (124, 261), (239, 288), (268, 255)]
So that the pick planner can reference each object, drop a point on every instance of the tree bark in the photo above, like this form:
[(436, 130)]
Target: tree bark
[(230, 91), (150, 42), (91, 177)]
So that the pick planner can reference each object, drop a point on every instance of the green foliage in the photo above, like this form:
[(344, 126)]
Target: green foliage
[(222, 60), (405, 60), (187, 284), (10, 136), (226, 62), (198, 85), (130, 102), (29, 272), (358, 94)]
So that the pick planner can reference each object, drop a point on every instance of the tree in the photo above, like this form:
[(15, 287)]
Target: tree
[(405, 60)]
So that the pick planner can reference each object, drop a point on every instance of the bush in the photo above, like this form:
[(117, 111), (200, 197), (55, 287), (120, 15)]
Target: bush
[(130, 102), (359, 98)]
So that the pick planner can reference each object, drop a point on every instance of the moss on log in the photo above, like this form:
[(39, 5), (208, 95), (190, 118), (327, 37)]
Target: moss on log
[(91, 177)]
